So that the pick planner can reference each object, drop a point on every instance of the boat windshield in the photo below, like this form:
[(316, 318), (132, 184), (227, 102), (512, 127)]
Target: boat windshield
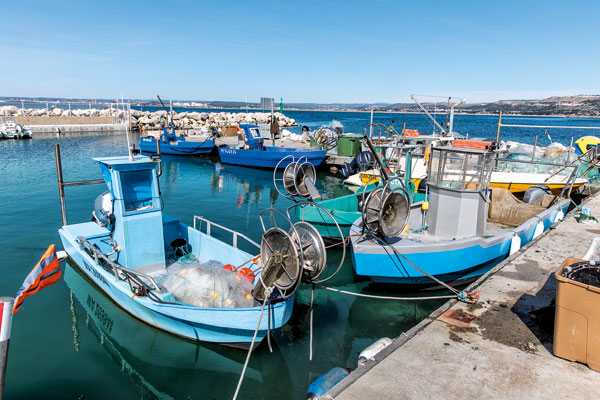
[(137, 189), (460, 169)]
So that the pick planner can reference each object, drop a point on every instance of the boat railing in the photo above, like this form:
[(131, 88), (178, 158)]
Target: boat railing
[(198, 220), (120, 272), (62, 184)]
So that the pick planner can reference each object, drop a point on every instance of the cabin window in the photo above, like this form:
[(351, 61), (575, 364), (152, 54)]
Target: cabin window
[(136, 187), (460, 170), (255, 133)]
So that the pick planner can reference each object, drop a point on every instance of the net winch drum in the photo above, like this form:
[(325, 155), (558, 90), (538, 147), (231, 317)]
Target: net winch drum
[(103, 209), (281, 259), (385, 211), (298, 179), (313, 248)]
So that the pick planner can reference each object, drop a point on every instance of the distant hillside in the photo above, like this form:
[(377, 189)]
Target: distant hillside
[(580, 105)]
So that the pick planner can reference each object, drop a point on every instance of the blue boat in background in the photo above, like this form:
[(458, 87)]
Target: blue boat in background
[(166, 273), (172, 144), (254, 153)]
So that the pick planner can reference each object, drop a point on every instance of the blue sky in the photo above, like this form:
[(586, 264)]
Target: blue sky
[(305, 51)]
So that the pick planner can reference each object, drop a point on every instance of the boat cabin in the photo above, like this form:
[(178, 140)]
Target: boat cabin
[(458, 184), (249, 135), (137, 210), (168, 135)]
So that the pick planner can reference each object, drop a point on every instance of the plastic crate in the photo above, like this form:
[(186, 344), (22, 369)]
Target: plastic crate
[(577, 320), (349, 145)]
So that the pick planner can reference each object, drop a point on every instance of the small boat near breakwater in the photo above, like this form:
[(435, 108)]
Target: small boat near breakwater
[(12, 130)]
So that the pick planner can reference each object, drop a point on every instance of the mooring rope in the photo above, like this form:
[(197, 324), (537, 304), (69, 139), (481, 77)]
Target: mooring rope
[(239, 385), (310, 341), (370, 296), (472, 297)]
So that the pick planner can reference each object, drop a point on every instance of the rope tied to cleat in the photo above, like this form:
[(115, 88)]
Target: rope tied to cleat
[(466, 297)]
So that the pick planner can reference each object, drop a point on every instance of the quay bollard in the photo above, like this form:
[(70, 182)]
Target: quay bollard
[(6, 313)]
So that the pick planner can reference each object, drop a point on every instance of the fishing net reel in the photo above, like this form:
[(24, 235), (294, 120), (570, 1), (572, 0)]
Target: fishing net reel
[(310, 240), (325, 136), (281, 258), (293, 252), (385, 210), (298, 180)]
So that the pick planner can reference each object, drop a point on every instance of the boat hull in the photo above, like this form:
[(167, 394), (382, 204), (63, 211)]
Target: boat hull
[(228, 326), (177, 148), (269, 157), (449, 260)]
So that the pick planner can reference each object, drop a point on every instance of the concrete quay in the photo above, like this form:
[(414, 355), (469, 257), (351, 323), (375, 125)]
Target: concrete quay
[(49, 131), (499, 349)]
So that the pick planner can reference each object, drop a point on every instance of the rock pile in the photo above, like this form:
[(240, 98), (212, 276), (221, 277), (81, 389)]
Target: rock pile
[(148, 120)]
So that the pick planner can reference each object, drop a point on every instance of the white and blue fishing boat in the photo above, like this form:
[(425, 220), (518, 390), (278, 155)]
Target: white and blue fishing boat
[(12, 130), (252, 152), (174, 145), (459, 234), (170, 275)]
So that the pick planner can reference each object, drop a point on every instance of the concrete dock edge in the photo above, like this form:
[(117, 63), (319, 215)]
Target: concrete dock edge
[(345, 386)]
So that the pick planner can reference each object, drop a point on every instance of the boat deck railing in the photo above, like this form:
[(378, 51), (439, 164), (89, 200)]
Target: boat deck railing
[(198, 222)]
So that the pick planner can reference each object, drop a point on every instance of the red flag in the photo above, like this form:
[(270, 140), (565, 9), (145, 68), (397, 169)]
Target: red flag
[(45, 273)]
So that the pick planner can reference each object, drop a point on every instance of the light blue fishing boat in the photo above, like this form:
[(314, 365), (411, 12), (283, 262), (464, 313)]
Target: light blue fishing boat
[(149, 263), (153, 358), (460, 234)]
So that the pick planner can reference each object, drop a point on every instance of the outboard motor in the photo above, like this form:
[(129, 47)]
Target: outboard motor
[(103, 210), (535, 192), (361, 162)]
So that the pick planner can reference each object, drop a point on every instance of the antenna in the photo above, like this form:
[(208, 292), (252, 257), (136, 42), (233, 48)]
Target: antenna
[(170, 117), (126, 131)]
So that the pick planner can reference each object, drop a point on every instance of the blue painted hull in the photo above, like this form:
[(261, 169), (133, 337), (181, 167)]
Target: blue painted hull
[(448, 261), (179, 147), (229, 326), (269, 157)]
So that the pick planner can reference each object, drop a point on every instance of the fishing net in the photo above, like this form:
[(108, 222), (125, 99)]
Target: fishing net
[(207, 284), (506, 209)]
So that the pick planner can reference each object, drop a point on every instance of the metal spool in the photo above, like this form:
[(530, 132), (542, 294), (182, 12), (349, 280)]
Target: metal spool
[(303, 172), (289, 179), (394, 212), (281, 264), (314, 252), (312, 247), (385, 211), (281, 257), (370, 211), (298, 179)]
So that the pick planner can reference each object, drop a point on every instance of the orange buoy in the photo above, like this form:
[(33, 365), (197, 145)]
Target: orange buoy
[(247, 273), (229, 267)]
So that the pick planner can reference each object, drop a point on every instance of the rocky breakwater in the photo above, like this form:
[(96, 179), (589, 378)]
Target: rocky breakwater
[(204, 121), (144, 120)]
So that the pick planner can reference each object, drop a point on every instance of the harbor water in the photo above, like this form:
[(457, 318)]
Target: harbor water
[(70, 341)]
